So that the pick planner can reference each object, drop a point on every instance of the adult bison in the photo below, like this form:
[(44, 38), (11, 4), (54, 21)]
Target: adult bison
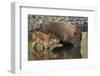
[(68, 34)]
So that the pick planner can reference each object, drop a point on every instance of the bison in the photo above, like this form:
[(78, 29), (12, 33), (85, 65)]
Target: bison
[(68, 34)]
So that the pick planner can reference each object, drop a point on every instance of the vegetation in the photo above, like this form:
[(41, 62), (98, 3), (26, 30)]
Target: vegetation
[(84, 45)]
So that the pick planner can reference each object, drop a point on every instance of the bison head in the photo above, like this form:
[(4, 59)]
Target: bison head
[(72, 35)]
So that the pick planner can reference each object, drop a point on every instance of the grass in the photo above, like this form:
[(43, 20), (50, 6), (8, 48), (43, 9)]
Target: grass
[(84, 47), (30, 51)]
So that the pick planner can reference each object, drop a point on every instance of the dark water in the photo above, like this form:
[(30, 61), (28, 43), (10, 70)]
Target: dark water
[(68, 51)]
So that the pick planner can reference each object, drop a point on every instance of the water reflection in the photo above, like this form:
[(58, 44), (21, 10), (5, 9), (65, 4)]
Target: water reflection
[(68, 51)]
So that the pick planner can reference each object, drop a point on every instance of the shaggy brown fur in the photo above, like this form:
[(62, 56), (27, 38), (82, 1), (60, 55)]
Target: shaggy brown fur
[(68, 34)]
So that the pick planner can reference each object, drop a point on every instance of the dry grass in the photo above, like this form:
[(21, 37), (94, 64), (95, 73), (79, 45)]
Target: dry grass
[(84, 45)]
